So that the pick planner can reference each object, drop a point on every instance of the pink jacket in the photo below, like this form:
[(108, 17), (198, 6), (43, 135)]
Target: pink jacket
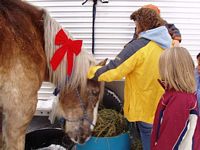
[(176, 123)]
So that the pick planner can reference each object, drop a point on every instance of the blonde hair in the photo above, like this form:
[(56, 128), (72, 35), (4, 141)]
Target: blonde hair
[(176, 69)]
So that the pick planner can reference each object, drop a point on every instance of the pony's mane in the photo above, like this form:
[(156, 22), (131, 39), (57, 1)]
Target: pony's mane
[(81, 65)]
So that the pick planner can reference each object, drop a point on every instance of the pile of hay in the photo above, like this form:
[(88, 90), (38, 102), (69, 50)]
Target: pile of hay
[(109, 123)]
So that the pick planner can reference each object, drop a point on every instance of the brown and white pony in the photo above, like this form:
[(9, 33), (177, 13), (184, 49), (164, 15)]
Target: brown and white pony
[(26, 46)]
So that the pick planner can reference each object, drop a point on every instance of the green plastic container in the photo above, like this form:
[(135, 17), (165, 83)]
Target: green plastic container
[(120, 142)]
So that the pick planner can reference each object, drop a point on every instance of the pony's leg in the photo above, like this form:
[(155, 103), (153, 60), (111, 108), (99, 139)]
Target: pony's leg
[(16, 121)]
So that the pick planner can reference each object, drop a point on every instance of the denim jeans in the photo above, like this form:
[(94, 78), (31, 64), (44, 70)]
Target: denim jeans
[(198, 97), (197, 76), (145, 133), (144, 130)]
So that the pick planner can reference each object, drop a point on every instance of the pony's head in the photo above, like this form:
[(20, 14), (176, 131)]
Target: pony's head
[(79, 109), (79, 97)]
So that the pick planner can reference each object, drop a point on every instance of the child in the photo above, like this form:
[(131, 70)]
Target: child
[(197, 75), (176, 123), (172, 29)]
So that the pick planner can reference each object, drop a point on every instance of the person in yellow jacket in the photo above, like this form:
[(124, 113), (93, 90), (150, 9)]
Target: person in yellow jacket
[(138, 63)]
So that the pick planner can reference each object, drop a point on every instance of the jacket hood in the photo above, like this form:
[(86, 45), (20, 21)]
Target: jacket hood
[(159, 35)]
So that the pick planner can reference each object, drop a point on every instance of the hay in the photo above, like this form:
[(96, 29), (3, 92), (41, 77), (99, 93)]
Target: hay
[(137, 144), (109, 123)]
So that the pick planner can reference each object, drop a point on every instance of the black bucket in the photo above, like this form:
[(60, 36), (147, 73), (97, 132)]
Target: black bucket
[(43, 138), (111, 100)]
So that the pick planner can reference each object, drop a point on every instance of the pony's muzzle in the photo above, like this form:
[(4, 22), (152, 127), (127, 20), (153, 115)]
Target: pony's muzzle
[(80, 135)]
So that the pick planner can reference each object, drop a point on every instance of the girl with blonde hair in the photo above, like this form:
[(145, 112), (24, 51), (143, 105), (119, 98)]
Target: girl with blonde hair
[(176, 124)]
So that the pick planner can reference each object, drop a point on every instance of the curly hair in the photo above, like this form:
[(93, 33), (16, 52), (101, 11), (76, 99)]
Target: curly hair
[(147, 19)]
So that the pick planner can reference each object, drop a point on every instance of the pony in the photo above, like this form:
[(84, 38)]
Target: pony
[(27, 35)]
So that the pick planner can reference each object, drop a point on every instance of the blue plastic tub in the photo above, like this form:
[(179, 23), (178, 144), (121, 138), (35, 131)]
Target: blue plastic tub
[(120, 142)]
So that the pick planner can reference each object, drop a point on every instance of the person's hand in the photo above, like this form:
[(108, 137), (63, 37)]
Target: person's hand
[(175, 43)]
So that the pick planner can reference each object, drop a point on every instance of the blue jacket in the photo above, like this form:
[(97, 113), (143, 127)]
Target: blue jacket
[(197, 76)]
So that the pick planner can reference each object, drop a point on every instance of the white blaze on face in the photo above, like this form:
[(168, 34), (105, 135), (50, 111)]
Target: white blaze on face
[(94, 115), (70, 128)]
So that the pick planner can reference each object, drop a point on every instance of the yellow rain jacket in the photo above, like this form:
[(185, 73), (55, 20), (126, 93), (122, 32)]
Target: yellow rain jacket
[(138, 63)]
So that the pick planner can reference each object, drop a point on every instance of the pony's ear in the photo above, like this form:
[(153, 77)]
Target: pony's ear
[(103, 62)]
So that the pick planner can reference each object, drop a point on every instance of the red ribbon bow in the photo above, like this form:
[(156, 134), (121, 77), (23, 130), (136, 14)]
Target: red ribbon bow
[(67, 45)]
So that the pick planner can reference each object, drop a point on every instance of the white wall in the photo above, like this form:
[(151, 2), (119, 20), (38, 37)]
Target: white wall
[(113, 26)]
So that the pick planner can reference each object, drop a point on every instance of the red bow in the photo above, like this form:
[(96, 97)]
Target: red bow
[(67, 45)]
